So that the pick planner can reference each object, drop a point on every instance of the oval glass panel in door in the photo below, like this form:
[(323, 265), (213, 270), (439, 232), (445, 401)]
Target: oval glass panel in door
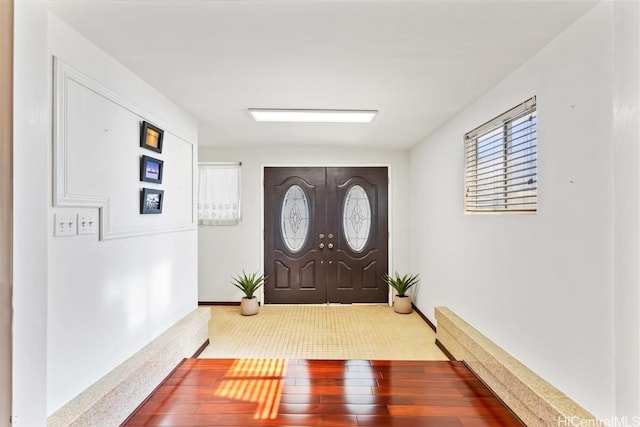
[(294, 218), (356, 218)]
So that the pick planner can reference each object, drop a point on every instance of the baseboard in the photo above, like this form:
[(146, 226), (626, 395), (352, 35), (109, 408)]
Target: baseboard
[(425, 318), (221, 303), (152, 393), (111, 399), (444, 350), (433, 327), (199, 350)]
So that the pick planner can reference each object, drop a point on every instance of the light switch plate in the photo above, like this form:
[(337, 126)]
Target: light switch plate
[(65, 225), (86, 224)]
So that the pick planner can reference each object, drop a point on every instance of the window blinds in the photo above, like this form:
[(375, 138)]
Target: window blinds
[(219, 193), (501, 172)]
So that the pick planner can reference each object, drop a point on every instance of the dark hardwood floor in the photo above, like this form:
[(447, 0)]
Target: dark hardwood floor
[(278, 392)]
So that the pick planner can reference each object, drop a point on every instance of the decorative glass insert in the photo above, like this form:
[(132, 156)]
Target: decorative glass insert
[(294, 218), (356, 218)]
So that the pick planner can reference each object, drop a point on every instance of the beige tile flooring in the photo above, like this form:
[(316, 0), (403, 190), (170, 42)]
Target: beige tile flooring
[(370, 332)]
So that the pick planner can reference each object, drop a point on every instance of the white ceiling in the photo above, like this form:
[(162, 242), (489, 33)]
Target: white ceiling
[(417, 62)]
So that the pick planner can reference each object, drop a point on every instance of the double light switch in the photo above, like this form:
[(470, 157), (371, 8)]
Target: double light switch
[(72, 224)]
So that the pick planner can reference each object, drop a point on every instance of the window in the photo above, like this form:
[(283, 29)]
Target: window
[(501, 173), (219, 193)]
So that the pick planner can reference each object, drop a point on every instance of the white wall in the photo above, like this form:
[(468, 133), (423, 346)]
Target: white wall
[(626, 220), (538, 285), (6, 209), (109, 298), (31, 141), (225, 251)]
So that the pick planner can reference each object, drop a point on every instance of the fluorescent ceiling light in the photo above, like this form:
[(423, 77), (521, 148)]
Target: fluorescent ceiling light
[(313, 116)]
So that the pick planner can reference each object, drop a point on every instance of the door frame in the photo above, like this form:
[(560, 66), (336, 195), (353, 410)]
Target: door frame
[(6, 210), (327, 165)]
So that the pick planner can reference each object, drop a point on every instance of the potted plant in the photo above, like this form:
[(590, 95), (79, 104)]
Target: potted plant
[(401, 284), (248, 284)]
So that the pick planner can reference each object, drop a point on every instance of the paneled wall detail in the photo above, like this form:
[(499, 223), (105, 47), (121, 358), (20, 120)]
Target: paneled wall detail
[(97, 159)]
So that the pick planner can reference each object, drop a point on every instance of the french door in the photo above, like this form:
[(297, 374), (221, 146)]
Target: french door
[(326, 234)]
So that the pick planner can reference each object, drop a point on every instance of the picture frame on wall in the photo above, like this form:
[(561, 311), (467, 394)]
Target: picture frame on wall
[(151, 137), (151, 169), (151, 201)]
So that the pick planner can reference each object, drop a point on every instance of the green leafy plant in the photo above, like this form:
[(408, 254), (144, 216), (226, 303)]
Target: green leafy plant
[(401, 283), (248, 283)]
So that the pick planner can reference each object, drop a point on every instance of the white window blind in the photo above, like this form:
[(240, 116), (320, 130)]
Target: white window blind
[(219, 193), (501, 173)]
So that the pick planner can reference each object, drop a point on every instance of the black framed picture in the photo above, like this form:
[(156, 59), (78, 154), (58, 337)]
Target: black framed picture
[(151, 169), (151, 201), (151, 137)]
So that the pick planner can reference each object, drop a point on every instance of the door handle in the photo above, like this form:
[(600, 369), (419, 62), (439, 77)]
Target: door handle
[(330, 245), (321, 245)]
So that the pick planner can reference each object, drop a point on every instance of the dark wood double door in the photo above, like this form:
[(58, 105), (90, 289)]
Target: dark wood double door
[(326, 235)]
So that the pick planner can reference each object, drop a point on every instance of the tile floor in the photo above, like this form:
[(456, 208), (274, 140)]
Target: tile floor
[(367, 332)]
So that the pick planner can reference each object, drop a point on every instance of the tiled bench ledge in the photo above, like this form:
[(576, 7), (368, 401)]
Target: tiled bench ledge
[(115, 396), (530, 397)]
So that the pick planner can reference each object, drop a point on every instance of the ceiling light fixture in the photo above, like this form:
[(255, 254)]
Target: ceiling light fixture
[(312, 116)]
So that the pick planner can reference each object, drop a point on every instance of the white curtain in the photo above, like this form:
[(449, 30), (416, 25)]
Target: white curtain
[(219, 194)]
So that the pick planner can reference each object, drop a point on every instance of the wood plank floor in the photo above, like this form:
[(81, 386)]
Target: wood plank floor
[(281, 392)]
